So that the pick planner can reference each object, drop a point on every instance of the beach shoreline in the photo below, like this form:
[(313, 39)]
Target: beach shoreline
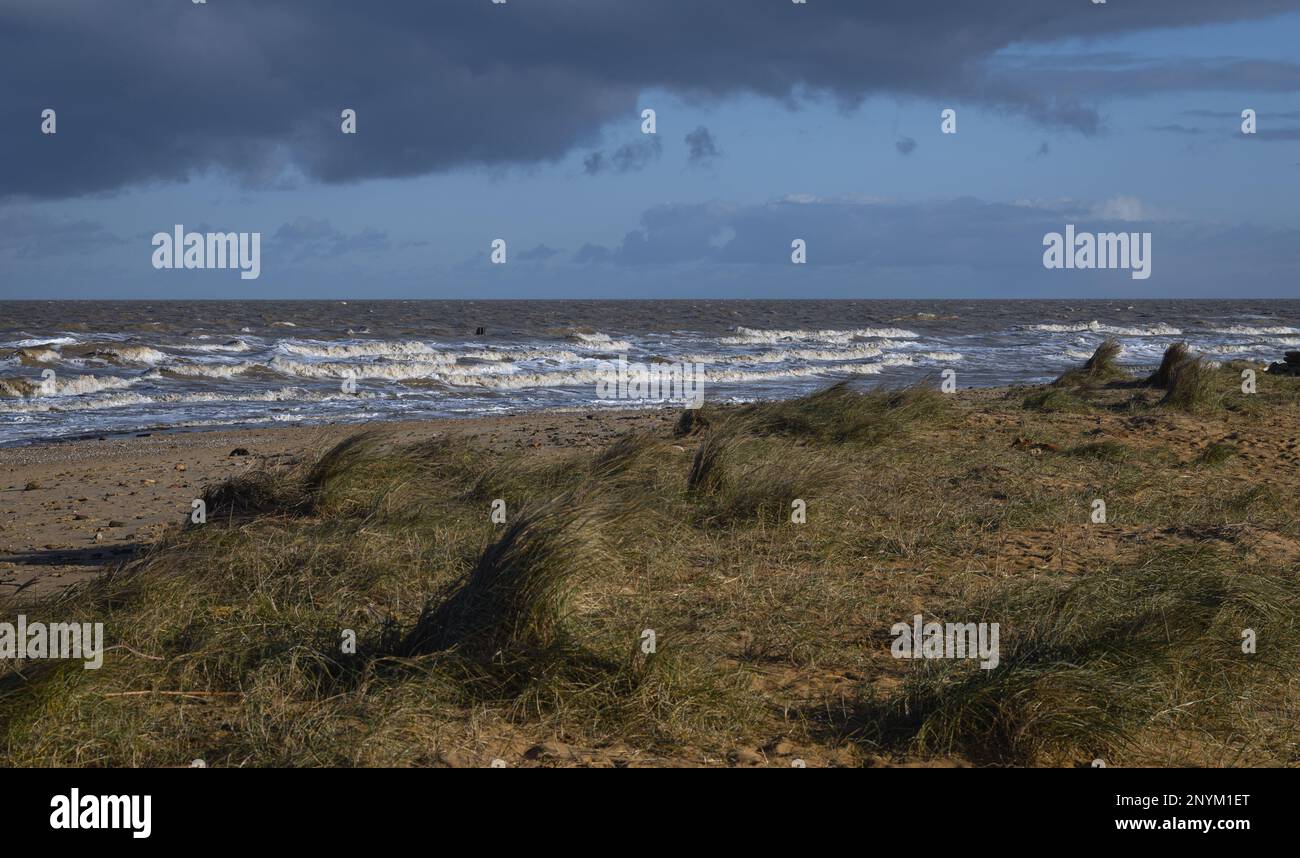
[(71, 507)]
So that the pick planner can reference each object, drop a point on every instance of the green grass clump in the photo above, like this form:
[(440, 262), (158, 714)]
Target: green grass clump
[(1055, 400), (1191, 387), (1096, 666), (1216, 453), (1101, 368), (1173, 356), (1107, 451), (516, 600), (842, 415)]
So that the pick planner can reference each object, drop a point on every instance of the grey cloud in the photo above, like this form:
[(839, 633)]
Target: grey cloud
[(701, 148), (991, 244), (1279, 134), (905, 145), (161, 90), (540, 253), (307, 237), (1236, 114), (630, 157), (589, 253), (1127, 75), (29, 235)]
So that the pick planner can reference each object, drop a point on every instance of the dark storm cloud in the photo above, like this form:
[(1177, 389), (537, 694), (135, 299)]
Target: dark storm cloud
[(157, 90), (701, 148)]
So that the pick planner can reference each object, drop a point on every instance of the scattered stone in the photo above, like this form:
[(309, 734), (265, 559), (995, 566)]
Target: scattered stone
[(1034, 446), (239, 451), (455, 759), (745, 757), (32, 486), (1291, 366), (549, 751), (180, 467), (116, 523)]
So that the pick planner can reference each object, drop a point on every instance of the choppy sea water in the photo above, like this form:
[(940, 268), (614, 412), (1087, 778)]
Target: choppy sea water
[(71, 369)]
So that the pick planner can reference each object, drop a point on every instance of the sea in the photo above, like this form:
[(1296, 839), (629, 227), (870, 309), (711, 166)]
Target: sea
[(75, 369)]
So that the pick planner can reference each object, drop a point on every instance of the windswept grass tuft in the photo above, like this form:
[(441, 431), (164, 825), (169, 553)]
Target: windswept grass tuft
[(1191, 387), (1099, 369), (1173, 356), (1054, 399), (1100, 665), (841, 415), (516, 600)]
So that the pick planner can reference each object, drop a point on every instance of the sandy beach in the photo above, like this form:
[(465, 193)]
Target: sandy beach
[(71, 507)]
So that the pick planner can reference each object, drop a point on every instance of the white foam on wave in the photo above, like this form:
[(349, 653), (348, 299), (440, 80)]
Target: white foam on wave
[(521, 354), (732, 376), (193, 369), (1158, 330), (1253, 331), (598, 340), (234, 346), (752, 336), (132, 399), (38, 342), (132, 354), (420, 350), (431, 367), (523, 380), (1230, 348), (377, 348), (31, 388), (37, 355), (905, 359), (859, 352)]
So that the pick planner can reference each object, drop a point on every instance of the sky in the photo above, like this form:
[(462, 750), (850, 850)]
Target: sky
[(775, 121)]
